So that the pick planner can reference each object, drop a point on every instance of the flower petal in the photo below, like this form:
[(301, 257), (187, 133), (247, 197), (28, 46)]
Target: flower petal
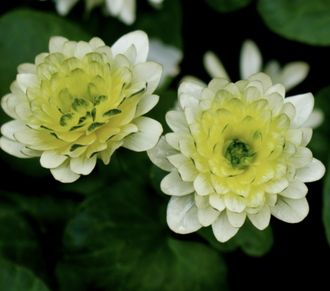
[(51, 159), (15, 149), (236, 219), (213, 66), (64, 6), (222, 229), (146, 103), (250, 60), (182, 215), (293, 74), (312, 172), (148, 72), (64, 174), (261, 219), (137, 38), (146, 137), (315, 119), (304, 104), (158, 154), (202, 185), (56, 44), (172, 184), (295, 190), (176, 121), (82, 165), (207, 216), (290, 210)]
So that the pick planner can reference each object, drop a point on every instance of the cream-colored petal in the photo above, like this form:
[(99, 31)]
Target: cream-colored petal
[(16, 149), (222, 229), (83, 166), (64, 6), (56, 44), (202, 185), (51, 159), (315, 119), (137, 38), (182, 215), (185, 166), (64, 174), (304, 104), (290, 210), (146, 103), (214, 66), (172, 184), (158, 154), (236, 219), (294, 73), (207, 216), (295, 190), (250, 60), (146, 137), (312, 172), (148, 73), (261, 219), (176, 121)]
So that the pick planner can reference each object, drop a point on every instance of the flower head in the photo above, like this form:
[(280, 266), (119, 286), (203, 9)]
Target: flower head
[(123, 9), (81, 101), (237, 152)]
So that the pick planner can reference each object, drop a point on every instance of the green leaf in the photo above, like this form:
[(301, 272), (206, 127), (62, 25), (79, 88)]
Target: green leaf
[(16, 278), (228, 5), (118, 242), (301, 20), (24, 34), (18, 240), (326, 205), (251, 240), (164, 23)]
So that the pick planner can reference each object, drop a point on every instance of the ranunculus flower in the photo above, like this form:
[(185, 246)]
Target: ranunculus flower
[(237, 151), (81, 101)]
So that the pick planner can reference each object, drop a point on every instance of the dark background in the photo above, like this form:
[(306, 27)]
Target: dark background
[(300, 251)]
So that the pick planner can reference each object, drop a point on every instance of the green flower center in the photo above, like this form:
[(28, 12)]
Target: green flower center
[(239, 154)]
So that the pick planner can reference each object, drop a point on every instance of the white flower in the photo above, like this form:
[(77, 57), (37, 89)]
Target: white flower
[(123, 9), (166, 55), (237, 151), (81, 101), (289, 76)]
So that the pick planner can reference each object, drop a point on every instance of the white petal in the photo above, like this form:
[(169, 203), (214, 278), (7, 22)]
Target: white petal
[(64, 174), (236, 219), (302, 157), (13, 148), (168, 56), (51, 159), (56, 44), (213, 66), (82, 49), (137, 38), (185, 167), (146, 103), (250, 60), (304, 104), (306, 136), (176, 121), (96, 43), (207, 216), (234, 203), (217, 202), (192, 88), (158, 154), (148, 72), (127, 13), (63, 6), (277, 186), (82, 165), (293, 74), (147, 136), (315, 119), (115, 6), (182, 215), (172, 184), (26, 80), (295, 190), (222, 229), (312, 172), (26, 68), (203, 185), (11, 127), (290, 210), (261, 219)]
